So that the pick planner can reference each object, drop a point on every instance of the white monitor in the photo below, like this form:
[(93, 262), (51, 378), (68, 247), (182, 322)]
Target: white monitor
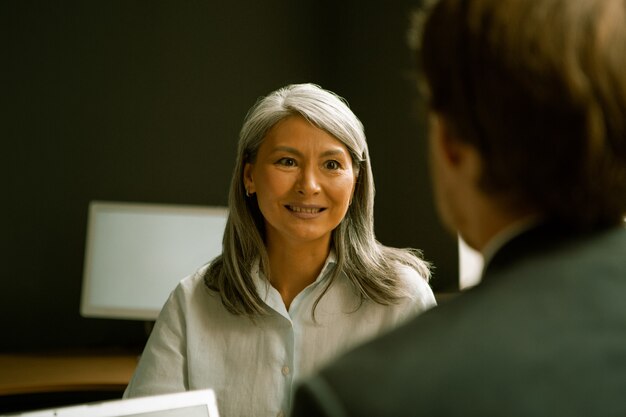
[(136, 253)]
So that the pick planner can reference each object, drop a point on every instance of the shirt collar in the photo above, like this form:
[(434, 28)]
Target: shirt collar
[(268, 293)]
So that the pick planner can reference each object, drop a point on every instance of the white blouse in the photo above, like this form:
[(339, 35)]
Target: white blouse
[(252, 364)]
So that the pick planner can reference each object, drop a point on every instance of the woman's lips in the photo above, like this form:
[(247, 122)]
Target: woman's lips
[(305, 212)]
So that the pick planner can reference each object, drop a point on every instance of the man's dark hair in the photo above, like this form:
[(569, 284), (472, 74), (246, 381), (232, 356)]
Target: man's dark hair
[(539, 89)]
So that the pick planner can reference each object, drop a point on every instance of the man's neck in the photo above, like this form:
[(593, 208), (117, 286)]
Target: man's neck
[(515, 228), (492, 221)]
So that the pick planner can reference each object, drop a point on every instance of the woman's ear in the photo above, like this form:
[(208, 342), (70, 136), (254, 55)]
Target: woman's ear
[(356, 179), (248, 179)]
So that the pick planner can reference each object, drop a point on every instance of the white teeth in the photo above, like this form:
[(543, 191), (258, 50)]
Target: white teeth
[(305, 210)]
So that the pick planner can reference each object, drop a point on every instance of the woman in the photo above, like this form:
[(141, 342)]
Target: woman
[(301, 277)]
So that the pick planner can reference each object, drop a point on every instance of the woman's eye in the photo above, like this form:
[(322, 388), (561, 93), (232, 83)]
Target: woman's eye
[(332, 165), (287, 162)]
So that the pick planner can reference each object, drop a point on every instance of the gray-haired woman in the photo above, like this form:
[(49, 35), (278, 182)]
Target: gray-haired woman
[(301, 278)]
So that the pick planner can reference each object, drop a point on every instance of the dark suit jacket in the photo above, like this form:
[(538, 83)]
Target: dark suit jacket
[(544, 334)]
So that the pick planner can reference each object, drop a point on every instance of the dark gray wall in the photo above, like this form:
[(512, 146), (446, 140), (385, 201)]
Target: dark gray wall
[(133, 100)]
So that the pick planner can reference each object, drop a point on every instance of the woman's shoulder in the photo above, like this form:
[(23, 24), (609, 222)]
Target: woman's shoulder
[(409, 275), (194, 279), (414, 283), (191, 294), (193, 285)]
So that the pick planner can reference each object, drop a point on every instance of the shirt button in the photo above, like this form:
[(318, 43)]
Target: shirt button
[(285, 371)]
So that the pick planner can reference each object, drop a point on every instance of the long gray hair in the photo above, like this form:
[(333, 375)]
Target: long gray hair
[(370, 266)]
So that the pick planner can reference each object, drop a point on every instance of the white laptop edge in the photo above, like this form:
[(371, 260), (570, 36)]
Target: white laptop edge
[(133, 406)]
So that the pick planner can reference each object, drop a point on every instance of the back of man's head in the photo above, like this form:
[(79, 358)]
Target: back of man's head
[(539, 89)]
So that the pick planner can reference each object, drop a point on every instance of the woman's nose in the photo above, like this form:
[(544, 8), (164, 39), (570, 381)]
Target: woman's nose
[(308, 181)]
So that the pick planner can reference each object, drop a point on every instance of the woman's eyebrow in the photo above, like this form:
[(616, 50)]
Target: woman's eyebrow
[(289, 149), (333, 152)]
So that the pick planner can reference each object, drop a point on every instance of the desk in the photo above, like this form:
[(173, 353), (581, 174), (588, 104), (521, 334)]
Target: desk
[(39, 373)]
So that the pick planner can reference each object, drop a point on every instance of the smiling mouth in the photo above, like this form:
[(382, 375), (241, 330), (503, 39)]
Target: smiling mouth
[(307, 210)]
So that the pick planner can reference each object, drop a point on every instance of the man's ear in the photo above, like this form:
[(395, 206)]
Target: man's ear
[(457, 154), (449, 146)]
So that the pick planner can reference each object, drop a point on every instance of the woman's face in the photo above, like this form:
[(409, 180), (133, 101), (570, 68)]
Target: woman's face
[(303, 179)]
